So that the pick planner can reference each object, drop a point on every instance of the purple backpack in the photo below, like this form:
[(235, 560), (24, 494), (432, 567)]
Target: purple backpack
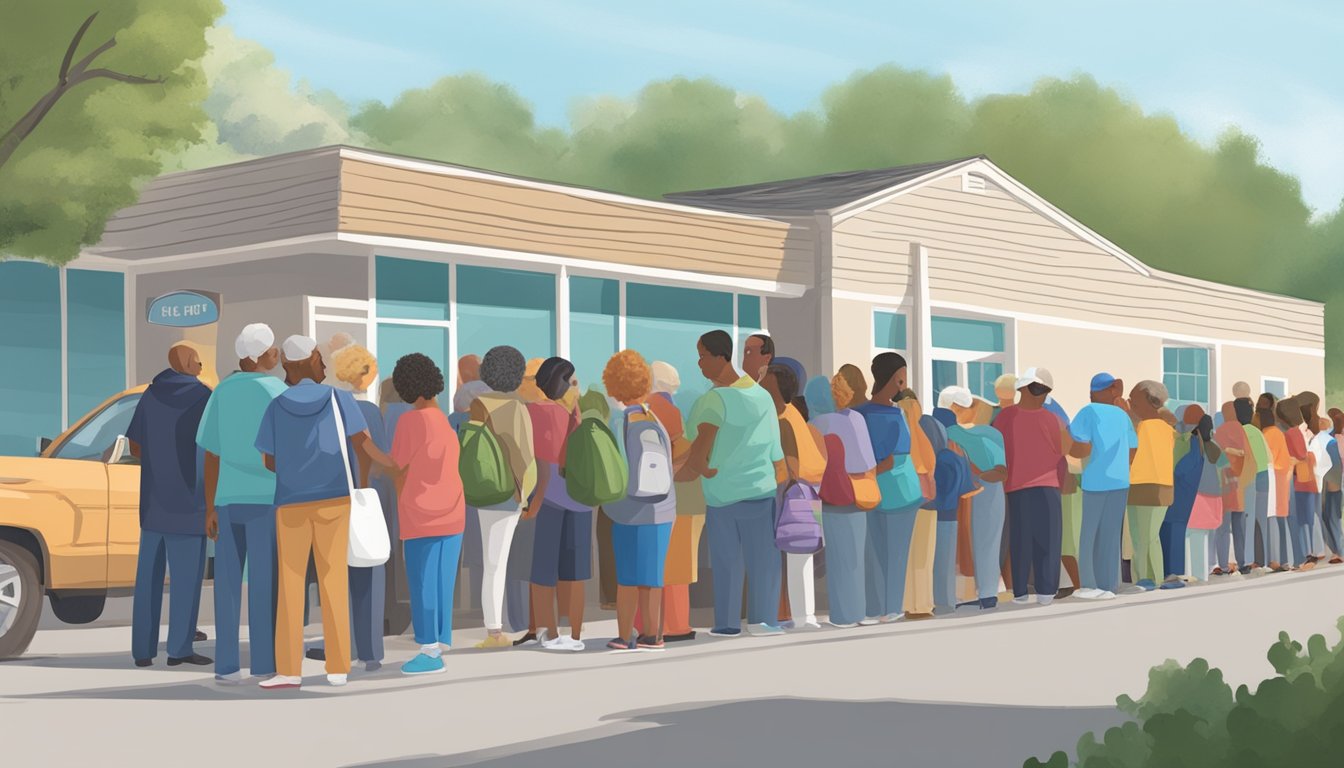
[(798, 520)]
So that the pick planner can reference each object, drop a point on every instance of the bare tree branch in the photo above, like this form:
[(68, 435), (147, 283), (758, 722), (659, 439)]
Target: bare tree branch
[(118, 76), (74, 46), (99, 51)]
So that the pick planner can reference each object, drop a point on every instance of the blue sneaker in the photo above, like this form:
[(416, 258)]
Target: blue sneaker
[(422, 665), (1147, 585), (765, 630), (1172, 584), (725, 632)]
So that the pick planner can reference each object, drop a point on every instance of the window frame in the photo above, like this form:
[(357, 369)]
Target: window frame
[(1173, 393), (1264, 385)]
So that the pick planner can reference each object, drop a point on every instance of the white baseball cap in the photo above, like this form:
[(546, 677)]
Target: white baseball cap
[(1035, 376), (959, 396), (298, 348), (254, 341)]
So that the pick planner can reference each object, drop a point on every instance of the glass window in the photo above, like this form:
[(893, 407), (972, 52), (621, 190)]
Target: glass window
[(93, 440), (96, 366), (1276, 387), (944, 376), (748, 318), (411, 289), (594, 314), (664, 323), (889, 330), (505, 306), (971, 335), (396, 341), (30, 348), (980, 378), (1185, 372)]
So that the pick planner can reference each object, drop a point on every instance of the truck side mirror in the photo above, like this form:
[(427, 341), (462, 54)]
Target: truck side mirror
[(43, 443)]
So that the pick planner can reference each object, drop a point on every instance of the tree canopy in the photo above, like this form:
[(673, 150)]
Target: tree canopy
[(92, 94)]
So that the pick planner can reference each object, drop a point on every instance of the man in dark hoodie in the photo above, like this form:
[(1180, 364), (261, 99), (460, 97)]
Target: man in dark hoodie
[(299, 442), (162, 435)]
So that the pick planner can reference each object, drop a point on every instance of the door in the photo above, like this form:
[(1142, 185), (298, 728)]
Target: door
[(335, 323)]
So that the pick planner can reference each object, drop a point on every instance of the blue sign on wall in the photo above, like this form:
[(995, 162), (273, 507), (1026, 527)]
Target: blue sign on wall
[(183, 309)]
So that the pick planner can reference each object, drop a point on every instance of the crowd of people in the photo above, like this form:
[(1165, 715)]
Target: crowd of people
[(906, 513)]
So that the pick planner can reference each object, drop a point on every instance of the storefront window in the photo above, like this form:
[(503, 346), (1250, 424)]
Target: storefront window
[(664, 323), (889, 331), (971, 335), (1185, 371), (96, 339), (396, 341), (748, 319), (30, 348), (412, 289), (594, 315), (505, 306)]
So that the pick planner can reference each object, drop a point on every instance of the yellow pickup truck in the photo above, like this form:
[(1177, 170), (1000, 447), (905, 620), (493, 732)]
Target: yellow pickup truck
[(69, 523)]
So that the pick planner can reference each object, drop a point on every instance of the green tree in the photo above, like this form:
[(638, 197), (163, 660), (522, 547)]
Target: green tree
[(92, 93)]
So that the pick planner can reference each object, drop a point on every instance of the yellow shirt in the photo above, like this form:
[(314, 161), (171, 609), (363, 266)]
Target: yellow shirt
[(811, 465), (1155, 460)]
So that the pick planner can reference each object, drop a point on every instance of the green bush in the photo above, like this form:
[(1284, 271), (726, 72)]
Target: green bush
[(1190, 718)]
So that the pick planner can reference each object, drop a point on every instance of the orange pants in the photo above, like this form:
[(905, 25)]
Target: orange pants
[(322, 528), (919, 572)]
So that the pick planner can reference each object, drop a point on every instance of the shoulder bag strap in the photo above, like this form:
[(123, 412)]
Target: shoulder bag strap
[(340, 438)]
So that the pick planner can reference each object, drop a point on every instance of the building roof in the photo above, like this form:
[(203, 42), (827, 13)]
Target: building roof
[(811, 193)]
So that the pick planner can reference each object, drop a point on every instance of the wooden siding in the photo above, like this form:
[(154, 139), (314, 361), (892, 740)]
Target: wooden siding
[(259, 201), (991, 250), (379, 199)]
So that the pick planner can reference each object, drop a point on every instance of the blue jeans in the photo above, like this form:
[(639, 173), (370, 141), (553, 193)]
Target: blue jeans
[(431, 572), (184, 556), (1172, 538), (1330, 514), (1100, 539), (1036, 535), (945, 565), (846, 533), (988, 509), (888, 559), (368, 597), (1256, 501), (1306, 507), (246, 536), (742, 544)]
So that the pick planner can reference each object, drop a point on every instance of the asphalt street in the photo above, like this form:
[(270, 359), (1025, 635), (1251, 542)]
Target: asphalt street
[(970, 689)]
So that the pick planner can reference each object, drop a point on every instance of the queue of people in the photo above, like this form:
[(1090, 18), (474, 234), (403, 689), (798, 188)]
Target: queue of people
[(907, 514)]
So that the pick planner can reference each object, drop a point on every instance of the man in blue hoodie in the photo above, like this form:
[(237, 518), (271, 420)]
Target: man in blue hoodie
[(299, 442), (162, 435)]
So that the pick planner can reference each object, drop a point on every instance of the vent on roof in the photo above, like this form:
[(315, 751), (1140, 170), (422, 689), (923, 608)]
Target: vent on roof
[(972, 182)]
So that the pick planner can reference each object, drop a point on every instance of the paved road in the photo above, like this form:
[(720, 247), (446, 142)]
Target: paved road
[(966, 690)]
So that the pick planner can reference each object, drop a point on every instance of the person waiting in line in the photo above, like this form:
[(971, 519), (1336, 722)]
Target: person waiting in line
[(758, 352), (1256, 492), (503, 411), (642, 521), (1318, 440), (1281, 481), (1005, 393), (240, 496), (848, 490), (1332, 500), (804, 462), (1151, 481), (891, 525), (431, 509), (173, 524), (1104, 438), (683, 552), (954, 485), (562, 551), (983, 447), (519, 613), (1206, 465), (1302, 504), (301, 443), (357, 368), (924, 432), (1229, 541), (735, 448), (1035, 442), (1186, 474)]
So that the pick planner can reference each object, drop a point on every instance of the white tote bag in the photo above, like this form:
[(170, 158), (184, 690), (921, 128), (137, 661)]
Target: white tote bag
[(369, 543)]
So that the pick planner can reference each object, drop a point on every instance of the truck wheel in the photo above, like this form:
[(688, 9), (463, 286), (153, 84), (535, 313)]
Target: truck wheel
[(20, 599), (77, 609)]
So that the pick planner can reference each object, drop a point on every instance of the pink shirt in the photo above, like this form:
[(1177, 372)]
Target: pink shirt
[(431, 501), (1034, 446)]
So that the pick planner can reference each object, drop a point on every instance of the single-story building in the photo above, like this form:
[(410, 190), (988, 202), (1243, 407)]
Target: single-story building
[(955, 264)]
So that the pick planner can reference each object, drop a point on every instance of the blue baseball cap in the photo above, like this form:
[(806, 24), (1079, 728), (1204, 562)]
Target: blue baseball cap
[(1102, 381)]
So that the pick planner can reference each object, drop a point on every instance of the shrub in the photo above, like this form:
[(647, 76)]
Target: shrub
[(1190, 718)]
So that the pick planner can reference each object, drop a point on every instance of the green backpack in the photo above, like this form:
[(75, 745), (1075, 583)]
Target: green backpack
[(487, 478), (595, 469)]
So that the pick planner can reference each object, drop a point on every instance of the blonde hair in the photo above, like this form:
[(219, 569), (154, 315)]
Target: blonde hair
[(1006, 381), (627, 377), (842, 392), (528, 390), (352, 363)]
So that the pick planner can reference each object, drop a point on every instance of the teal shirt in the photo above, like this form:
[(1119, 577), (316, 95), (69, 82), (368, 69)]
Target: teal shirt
[(746, 445), (229, 430), (982, 444)]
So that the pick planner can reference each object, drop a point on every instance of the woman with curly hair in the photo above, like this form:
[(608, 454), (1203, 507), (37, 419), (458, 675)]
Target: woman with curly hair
[(641, 525), (430, 507)]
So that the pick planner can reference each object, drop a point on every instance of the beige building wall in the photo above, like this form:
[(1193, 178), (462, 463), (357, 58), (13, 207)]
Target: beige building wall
[(1073, 355), (1303, 373)]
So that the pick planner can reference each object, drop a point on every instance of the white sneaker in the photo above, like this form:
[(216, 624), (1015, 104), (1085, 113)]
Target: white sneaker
[(281, 682), (554, 644), (572, 644), (892, 618), (1023, 600), (337, 680), (1087, 593), (843, 626), (1045, 599), (812, 623), (869, 621), (1103, 594)]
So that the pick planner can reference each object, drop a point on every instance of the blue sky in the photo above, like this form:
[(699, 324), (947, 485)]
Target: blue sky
[(1271, 68)]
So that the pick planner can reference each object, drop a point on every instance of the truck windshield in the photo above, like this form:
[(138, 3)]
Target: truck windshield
[(92, 441)]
